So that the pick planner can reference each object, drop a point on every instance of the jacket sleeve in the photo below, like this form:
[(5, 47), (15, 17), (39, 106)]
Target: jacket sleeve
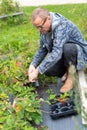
[(40, 54), (60, 37)]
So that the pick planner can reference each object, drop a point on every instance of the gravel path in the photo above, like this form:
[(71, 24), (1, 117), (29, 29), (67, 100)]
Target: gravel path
[(48, 2)]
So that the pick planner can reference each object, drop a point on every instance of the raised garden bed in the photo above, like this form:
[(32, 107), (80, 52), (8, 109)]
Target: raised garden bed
[(9, 15)]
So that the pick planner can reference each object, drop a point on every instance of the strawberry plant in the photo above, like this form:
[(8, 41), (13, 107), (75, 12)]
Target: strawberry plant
[(52, 96), (24, 112), (19, 116), (63, 97)]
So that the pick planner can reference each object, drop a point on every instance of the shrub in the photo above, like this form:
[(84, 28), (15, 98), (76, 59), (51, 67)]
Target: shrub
[(8, 6)]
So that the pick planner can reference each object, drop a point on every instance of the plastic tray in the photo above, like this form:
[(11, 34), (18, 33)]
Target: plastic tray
[(61, 109)]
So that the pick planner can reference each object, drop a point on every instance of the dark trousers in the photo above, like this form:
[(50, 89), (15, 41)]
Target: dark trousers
[(69, 56)]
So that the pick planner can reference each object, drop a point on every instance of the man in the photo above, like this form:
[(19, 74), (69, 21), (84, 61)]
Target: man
[(61, 44)]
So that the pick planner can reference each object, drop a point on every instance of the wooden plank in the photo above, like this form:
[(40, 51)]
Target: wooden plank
[(83, 90), (9, 15)]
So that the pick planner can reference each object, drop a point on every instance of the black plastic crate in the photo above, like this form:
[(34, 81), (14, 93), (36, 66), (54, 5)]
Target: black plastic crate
[(62, 108)]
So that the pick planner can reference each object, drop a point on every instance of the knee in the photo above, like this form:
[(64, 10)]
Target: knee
[(70, 49), (67, 49), (47, 73)]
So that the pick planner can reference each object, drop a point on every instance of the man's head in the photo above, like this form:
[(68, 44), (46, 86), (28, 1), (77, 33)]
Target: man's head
[(41, 20)]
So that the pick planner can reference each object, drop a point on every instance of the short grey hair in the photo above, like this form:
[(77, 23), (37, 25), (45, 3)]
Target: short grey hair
[(39, 12)]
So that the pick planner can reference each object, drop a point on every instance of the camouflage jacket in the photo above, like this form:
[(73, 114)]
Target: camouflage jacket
[(51, 44)]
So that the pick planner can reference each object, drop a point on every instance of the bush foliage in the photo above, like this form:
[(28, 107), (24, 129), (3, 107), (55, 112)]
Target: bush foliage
[(8, 6)]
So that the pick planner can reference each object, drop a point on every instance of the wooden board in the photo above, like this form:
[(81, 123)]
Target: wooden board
[(83, 91)]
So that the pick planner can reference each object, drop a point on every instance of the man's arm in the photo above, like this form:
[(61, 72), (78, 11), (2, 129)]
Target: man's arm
[(33, 71), (40, 54)]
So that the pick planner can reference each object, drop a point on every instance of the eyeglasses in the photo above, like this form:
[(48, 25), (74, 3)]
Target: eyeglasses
[(41, 26)]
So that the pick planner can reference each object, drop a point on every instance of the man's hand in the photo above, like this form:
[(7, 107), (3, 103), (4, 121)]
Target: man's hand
[(33, 76), (31, 69), (32, 73)]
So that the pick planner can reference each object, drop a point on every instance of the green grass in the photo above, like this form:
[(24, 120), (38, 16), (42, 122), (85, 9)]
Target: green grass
[(16, 37)]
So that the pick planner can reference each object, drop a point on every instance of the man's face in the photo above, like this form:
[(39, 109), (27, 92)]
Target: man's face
[(43, 25)]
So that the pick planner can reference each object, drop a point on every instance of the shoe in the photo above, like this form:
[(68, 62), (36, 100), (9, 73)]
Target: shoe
[(68, 85), (64, 77)]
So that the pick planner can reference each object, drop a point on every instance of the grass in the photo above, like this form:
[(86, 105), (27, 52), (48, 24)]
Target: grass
[(17, 36)]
